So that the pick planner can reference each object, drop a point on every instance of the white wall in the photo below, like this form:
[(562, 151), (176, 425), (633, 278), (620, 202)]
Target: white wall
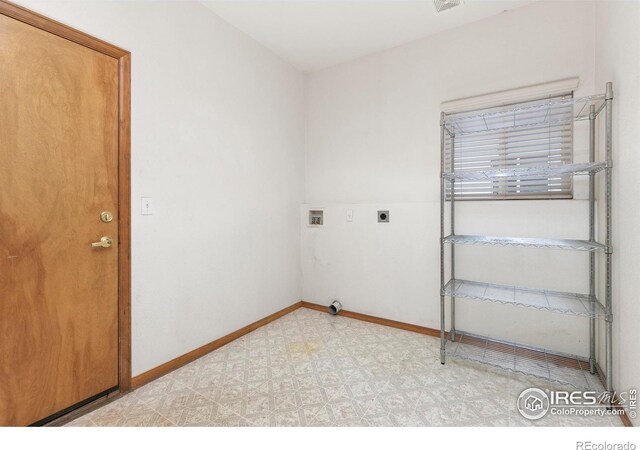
[(217, 142), (618, 60), (372, 142)]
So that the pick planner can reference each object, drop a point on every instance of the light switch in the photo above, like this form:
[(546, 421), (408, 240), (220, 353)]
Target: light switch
[(349, 215), (147, 206)]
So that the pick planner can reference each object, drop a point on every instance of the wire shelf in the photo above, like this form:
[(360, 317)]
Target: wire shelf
[(560, 244), (526, 172), (544, 113), (544, 300), (543, 364)]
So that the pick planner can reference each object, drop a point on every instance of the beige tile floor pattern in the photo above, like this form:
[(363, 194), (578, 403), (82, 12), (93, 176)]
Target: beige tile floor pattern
[(312, 369)]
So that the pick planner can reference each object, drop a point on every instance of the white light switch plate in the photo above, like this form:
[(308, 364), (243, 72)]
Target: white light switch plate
[(349, 215), (147, 206)]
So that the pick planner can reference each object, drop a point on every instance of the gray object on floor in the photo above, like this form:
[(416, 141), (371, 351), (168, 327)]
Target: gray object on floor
[(335, 307)]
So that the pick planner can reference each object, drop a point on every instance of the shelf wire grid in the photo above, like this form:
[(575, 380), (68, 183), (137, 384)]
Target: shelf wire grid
[(559, 244), (517, 173), (564, 369), (543, 113), (569, 303)]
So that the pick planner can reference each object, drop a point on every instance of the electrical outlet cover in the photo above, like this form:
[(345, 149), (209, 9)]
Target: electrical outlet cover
[(349, 215)]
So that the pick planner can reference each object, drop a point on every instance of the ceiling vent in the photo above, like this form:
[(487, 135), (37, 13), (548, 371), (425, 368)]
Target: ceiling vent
[(443, 5)]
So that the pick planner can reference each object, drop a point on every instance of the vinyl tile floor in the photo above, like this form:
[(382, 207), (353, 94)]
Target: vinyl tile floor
[(312, 369)]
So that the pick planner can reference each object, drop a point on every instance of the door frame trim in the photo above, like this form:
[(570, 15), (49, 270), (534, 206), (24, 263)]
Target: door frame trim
[(124, 168)]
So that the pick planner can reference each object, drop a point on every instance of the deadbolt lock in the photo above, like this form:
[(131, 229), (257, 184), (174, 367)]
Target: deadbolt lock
[(106, 216)]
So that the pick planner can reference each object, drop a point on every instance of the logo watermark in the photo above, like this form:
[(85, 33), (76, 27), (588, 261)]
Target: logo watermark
[(534, 403), (590, 445)]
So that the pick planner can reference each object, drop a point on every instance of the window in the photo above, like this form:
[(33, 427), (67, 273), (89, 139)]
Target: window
[(524, 135)]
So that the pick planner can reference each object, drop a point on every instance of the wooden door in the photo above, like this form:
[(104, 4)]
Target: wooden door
[(58, 172)]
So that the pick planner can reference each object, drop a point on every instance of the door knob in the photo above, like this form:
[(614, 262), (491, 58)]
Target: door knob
[(105, 241)]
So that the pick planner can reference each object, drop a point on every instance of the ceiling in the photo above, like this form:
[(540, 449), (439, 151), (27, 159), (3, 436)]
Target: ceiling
[(315, 34)]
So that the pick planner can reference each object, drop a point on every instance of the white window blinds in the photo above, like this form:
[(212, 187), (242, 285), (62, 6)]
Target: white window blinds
[(527, 135)]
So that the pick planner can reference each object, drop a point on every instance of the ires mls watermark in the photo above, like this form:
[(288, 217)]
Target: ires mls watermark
[(534, 403)]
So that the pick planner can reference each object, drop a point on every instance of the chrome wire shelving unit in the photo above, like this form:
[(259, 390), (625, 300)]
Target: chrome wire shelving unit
[(518, 358)]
